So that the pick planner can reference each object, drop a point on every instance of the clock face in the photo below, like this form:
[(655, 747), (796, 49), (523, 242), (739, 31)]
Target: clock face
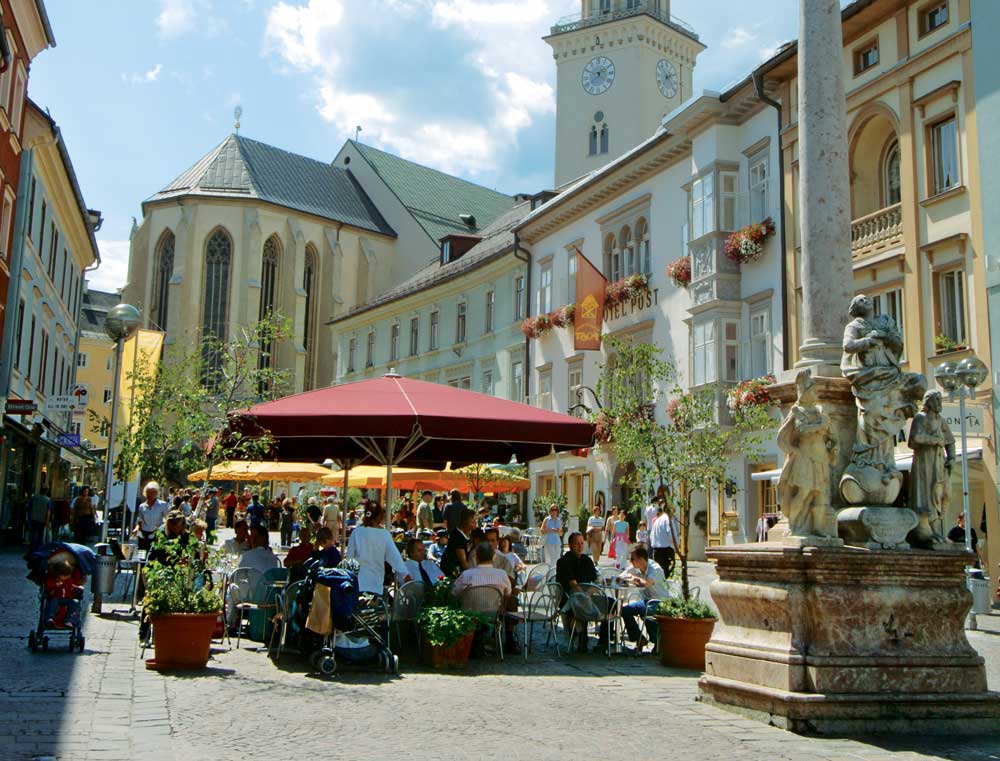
[(598, 75), (666, 78)]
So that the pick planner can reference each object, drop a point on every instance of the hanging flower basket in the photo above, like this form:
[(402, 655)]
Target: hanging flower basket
[(751, 393), (626, 289), (680, 412), (602, 428), (563, 316), (746, 245), (536, 327), (679, 272)]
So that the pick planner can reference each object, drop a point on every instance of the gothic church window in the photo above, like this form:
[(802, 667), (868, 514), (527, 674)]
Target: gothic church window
[(309, 329), (162, 272), (270, 260), (214, 323)]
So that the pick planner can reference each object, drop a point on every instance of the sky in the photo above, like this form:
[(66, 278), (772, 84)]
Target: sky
[(143, 88)]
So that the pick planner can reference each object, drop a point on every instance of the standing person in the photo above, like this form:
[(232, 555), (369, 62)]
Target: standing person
[(287, 519), (211, 511), (453, 510), (595, 534), (621, 540), (663, 541), (425, 512), (455, 557), (83, 516), (438, 514), (957, 535), (230, 503), (649, 514), (39, 517), (150, 516), (372, 547), (609, 530), (255, 512), (331, 515), (552, 530)]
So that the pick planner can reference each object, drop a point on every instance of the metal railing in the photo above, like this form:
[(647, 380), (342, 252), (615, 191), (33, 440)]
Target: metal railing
[(877, 228), (577, 21)]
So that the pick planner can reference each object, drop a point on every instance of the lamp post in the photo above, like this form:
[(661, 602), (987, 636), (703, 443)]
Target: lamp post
[(121, 322), (961, 380)]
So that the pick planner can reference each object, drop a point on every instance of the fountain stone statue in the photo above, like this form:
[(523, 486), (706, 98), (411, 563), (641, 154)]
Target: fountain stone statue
[(933, 446), (886, 398)]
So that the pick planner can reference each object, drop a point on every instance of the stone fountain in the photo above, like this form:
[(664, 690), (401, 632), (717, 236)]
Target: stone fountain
[(854, 621)]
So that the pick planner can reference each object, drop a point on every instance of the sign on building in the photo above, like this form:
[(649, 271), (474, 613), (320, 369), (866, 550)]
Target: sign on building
[(68, 439), (67, 403), (21, 406), (975, 419)]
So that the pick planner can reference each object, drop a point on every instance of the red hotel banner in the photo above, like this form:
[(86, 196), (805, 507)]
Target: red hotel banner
[(589, 315)]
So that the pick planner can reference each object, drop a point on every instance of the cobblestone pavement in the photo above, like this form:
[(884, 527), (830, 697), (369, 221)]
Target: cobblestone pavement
[(103, 704)]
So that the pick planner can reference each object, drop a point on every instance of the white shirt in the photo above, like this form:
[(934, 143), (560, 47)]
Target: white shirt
[(373, 548), (482, 576), (659, 590), (664, 533), (649, 515), (432, 569), (235, 547), (151, 517), (260, 559)]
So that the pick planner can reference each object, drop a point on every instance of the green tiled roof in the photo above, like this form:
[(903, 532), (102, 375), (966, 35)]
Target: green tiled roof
[(243, 168), (436, 199)]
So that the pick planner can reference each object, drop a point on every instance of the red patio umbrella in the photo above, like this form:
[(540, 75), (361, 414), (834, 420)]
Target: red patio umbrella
[(396, 421)]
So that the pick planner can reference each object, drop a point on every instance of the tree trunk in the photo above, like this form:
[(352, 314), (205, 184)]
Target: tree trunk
[(683, 553)]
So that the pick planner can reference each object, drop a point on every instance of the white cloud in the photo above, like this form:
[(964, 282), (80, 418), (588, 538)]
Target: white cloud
[(113, 270), (145, 77), (738, 37), (180, 17), (514, 68)]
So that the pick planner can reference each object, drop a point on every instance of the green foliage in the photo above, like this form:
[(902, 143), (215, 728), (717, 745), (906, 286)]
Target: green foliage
[(444, 627), (543, 502), (679, 608), (178, 585), (182, 402), (944, 343), (479, 475), (685, 454), (441, 596)]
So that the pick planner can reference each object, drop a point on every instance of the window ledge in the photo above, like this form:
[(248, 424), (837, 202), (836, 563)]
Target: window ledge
[(15, 142), (944, 195), (951, 355), (4, 119)]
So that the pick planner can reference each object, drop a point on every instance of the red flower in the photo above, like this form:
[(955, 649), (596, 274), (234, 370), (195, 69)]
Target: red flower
[(679, 272)]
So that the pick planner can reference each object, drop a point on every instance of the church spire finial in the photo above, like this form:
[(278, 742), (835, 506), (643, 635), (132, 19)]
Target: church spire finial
[(237, 113)]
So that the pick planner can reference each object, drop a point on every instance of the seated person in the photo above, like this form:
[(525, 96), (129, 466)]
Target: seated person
[(483, 574), (437, 549), (507, 548), (259, 556), (500, 560), (63, 592), (573, 569), (241, 542), (329, 555), (302, 551), (419, 567), (455, 558), (649, 576)]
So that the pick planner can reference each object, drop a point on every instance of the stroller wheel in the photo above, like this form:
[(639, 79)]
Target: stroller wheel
[(45, 644), (71, 643), (32, 641), (392, 666), (79, 643), (315, 658), (328, 665)]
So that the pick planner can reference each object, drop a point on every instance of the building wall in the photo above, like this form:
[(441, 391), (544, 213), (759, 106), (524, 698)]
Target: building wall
[(348, 262), (95, 372), (483, 351)]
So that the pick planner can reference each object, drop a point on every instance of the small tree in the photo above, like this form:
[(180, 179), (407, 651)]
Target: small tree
[(687, 454), (180, 412)]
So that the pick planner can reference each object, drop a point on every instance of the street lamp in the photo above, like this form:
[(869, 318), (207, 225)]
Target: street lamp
[(960, 380), (121, 322)]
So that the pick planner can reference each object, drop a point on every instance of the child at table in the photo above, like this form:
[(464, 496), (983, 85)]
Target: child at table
[(642, 534)]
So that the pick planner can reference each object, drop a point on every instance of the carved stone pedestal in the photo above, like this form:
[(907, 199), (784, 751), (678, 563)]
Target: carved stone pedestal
[(846, 641), (877, 528)]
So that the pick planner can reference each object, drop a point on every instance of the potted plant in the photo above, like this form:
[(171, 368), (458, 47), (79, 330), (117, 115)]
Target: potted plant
[(446, 633), (944, 344), (685, 628), (182, 608)]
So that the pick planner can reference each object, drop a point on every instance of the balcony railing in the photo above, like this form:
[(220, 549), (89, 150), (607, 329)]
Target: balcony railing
[(578, 21), (877, 231)]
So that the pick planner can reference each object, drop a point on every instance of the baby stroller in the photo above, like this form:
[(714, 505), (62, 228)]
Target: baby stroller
[(55, 613), (352, 629)]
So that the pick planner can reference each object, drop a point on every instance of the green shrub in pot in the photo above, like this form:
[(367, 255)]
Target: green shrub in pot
[(676, 607), (443, 627)]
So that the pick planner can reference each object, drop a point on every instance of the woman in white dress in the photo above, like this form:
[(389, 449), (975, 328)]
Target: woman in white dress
[(552, 528), (620, 542), (595, 534), (372, 547)]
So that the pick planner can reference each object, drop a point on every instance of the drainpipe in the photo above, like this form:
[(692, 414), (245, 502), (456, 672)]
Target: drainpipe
[(758, 82), (527, 312)]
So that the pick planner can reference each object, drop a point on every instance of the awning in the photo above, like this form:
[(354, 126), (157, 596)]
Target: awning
[(254, 470), (903, 463)]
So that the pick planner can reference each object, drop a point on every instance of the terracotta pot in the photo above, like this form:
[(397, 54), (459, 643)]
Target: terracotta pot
[(182, 640), (682, 641), (452, 657)]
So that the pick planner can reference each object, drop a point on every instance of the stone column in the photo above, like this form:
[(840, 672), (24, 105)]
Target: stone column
[(824, 188)]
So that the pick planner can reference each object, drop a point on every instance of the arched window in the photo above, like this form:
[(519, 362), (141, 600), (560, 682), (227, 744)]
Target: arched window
[(163, 270), (270, 259), (612, 258), (593, 141), (891, 185), (309, 271), (214, 322), (604, 138), (627, 246), (645, 258)]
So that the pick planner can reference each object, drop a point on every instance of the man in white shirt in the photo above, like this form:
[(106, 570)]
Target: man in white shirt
[(150, 515), (651, 511), (241, 542), (648, 575), (419, 566), (483, 574), (259, 558), (425, 512), (663, 539)]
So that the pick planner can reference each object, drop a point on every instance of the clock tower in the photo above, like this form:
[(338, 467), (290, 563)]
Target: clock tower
[(622, 65)]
